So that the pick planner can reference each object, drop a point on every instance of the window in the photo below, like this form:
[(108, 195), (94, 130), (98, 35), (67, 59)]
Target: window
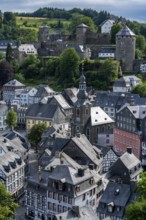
[(70, 200), (78, 111), (84, 196)]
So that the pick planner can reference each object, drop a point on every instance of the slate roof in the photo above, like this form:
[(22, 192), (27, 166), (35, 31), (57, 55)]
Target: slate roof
[(14, 83), (125, 31), (107, 50), (69, 174), (111, 21), (61, 101), (138, 111), (98, 117), (83, 143), (58, 160), (44, 90), (39, 110), (114, 99), (129, 160), (127, 81), (82, 25), (116, 194), (10, 162)]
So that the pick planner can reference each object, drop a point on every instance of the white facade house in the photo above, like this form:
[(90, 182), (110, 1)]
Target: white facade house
[(126, 83), (11, 168), (25, 50), (26, 97), (106, 26), (3, 114)]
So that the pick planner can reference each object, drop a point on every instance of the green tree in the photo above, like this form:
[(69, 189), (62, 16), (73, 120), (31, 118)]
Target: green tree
[(115, 29), (69, 66), (140, 42), (11, 119), (137, 210), (9, 18), (78, 19), (7, 205), (30, 68), (9, 53), (6, 72), (140, 89), (35, 134)]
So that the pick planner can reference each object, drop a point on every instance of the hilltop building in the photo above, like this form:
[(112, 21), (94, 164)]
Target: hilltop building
[(125, 48)]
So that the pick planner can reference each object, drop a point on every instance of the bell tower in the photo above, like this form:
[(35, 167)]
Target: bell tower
[(81, 111)]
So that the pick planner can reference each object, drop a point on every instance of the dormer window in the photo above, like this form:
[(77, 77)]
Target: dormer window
[(91, 181), (78, 188), (60, 186), (110, 207)]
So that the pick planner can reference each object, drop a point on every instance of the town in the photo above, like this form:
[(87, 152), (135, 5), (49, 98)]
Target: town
[(78, 152)]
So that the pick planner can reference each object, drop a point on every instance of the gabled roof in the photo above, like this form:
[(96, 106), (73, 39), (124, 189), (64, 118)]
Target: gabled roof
[(82, 25), (14, 83), (98, 117), (108, 20), (61, 101), (117, 195), (86, 147), (138, 111), (129, 160), (69, 174), (127, 81), (125, 31), (39, 110)]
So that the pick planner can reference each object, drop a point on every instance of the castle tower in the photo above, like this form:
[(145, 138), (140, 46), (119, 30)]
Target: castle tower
[(81, 111), (80, 33), (43, 34), (125, 48)]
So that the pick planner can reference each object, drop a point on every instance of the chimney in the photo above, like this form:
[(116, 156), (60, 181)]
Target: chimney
[(78, 135), (129, 150), (80, 172), (5, 140), (91, 166), (76, 209)]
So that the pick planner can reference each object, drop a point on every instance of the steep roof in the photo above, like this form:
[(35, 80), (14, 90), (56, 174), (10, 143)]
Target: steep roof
[(14, 82), (129, 160), (83, 143), (82, 25), (125, 31), (98, 116), (39, 110)]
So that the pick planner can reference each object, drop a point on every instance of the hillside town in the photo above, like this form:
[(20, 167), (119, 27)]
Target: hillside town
[(92, 150)]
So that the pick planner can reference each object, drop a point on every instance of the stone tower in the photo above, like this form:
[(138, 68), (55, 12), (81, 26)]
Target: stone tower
[(81, 33), (81, 111), (43, 34), (125, 48)]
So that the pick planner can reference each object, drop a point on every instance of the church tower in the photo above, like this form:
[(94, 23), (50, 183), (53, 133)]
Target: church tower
[(81, 111), (125, 48)]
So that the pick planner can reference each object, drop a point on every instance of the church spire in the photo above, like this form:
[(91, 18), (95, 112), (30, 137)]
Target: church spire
[(82, 94)]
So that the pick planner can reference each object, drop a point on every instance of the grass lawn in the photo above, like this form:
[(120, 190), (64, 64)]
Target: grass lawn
[(35, 23)]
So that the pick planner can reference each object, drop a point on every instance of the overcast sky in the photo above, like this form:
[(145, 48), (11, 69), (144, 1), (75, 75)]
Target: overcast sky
[(130, 9)]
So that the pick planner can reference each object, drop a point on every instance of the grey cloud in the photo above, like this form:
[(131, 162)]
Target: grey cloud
[(132, 9)]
